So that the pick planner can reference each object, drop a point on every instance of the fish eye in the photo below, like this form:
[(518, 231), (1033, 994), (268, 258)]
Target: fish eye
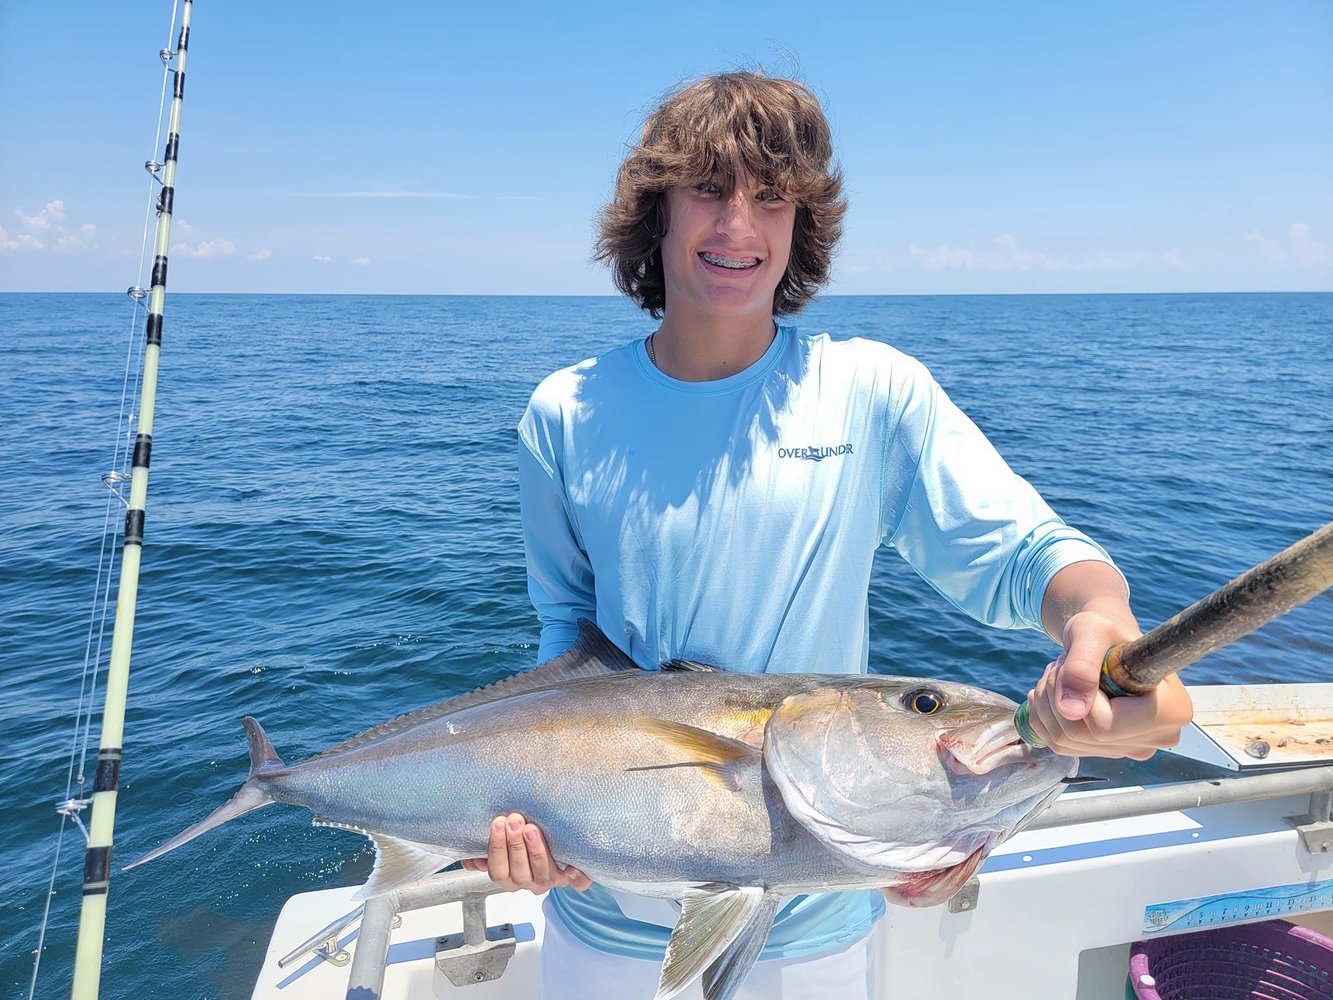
[(923, 701)]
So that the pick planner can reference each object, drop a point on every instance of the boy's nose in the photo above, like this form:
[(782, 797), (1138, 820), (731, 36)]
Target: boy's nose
[(736, 218)]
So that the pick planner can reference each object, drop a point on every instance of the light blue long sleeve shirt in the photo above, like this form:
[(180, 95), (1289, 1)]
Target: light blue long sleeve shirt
[(735, 522)]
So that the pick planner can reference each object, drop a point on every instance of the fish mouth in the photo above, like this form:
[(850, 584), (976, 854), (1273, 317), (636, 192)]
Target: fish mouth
[(981, 748)]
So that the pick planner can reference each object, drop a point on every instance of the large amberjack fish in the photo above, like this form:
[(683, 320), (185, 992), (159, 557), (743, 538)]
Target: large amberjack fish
[(725, 790)]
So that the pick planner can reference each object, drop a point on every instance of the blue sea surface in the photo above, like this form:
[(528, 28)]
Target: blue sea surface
[(332, 539)]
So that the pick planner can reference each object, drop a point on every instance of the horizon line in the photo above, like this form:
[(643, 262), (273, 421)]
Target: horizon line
[(616, 295), (446, 195)]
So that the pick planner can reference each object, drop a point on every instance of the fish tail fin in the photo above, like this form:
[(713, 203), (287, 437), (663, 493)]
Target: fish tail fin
[(264, 760)]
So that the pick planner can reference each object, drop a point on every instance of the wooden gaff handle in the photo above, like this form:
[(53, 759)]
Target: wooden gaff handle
[(1292, 577), (1274, 587)]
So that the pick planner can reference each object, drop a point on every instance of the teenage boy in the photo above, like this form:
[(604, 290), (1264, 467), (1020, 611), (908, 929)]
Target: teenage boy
[(717, 491)]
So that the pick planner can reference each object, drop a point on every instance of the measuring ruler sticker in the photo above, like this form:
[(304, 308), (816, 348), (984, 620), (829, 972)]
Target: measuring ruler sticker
[(1238, 907)]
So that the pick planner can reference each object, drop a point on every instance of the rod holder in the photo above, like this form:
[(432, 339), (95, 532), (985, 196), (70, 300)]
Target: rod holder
[(480, 954)]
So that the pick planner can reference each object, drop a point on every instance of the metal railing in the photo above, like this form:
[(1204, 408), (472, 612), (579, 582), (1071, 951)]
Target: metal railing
[(1317, 782), (478, 955)]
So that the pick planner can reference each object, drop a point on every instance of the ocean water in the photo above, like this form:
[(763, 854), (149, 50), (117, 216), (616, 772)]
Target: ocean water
[(333, 539)]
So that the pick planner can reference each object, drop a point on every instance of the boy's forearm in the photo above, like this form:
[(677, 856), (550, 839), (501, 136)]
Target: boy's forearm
[(1086, 586)]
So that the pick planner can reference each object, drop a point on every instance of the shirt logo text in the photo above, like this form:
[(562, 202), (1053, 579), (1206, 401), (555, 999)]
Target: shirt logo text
[(816, 454)]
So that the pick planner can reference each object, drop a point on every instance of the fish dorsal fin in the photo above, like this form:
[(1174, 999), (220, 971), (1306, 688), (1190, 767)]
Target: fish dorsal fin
[(724, 976), (263, 758), (719, 757), (689, 665), (709, 922), (592, 655), (397, 862)]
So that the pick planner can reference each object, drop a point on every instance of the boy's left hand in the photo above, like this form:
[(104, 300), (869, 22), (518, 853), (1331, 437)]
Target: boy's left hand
[(1075, 718)]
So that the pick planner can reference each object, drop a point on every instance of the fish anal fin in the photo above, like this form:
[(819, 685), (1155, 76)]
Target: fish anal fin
[(720, 758), (724, 976), (592, 655), (709, 922), (398, 863)]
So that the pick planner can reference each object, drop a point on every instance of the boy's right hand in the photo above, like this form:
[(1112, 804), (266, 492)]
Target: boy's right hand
[(517, 858)]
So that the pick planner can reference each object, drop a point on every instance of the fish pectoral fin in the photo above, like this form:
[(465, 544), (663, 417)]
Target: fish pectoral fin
[(933, 888), (719, 757), (398, 863), (709, 922), (724, 976)]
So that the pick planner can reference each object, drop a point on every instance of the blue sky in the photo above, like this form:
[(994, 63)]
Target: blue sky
[(356, 147)]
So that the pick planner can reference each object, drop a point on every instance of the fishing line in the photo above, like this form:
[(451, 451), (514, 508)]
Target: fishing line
[(118, 472), (131, 385)]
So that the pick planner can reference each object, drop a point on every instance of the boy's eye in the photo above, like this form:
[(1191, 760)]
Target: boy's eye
[(707, 187), (769, 195)]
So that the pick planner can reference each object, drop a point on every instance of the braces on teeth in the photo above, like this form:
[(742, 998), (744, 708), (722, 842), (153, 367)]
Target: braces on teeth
[(735, 265)]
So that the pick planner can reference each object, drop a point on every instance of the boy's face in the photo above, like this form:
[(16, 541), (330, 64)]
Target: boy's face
[(724, 256)]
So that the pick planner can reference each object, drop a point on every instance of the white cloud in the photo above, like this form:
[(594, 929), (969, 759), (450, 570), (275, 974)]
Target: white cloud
[(8, 242), (361, 261), (1007, 255), (52, 212), (1173, 259), (1299, 250), (1268, 247), (322, 259), (84, 239), (44, 231), (260, 255), (183, 226), (206, 249)]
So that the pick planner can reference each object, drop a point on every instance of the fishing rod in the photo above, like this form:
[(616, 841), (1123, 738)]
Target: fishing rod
[(1295, 575), (97, 857)]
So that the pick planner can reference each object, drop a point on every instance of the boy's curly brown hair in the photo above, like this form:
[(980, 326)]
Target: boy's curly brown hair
[(718, 129)]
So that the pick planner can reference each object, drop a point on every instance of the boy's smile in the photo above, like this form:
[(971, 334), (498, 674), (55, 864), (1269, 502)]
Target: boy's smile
[(730, 263), (723, 256)]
